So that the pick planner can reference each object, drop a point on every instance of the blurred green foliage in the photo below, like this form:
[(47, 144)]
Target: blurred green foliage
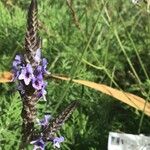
[(111, 47)]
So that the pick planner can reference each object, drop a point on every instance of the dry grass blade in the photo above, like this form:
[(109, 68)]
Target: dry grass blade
[(128, 98)]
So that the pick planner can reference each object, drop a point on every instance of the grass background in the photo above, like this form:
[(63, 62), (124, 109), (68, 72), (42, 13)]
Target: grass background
[(111, 47)]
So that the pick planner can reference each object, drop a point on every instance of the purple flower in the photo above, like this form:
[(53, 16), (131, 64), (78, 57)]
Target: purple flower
[(16, 66), (44, 62), (38, 71), (38, 144), (38, 82), (44, 66), (17, 61), (16, 73), (37, 57), (43, 92), (44, 122), (57, 141), (26, 74)]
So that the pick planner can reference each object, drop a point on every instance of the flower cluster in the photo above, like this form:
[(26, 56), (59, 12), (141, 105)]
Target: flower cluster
[(31, 76), (27, 75), (40, 143)]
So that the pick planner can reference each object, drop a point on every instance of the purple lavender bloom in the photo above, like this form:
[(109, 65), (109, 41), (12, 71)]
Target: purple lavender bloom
[(57, 141), (44, 122), (26, 74), (43, 92), (38, 82), (37, 57), (16, 73), (38, 71), (44, 66), (44, 62), (38, 144), (17, 61), (16, 66)]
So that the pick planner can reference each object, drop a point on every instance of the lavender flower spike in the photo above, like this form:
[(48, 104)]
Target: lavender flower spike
[(17, 61)]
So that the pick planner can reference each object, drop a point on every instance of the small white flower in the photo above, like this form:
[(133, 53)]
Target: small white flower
[(56, 145), (135, 1)]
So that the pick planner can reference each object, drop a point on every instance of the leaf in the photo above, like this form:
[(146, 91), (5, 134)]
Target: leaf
[(128, 98), (6, 77)]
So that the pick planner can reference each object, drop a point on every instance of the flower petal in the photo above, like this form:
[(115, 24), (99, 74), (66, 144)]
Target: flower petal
[(38, 144), (57, 141), (45, 120), (37, 57)]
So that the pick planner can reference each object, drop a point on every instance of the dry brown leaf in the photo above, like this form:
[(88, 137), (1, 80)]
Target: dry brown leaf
[(6, 77), (128, 98)]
